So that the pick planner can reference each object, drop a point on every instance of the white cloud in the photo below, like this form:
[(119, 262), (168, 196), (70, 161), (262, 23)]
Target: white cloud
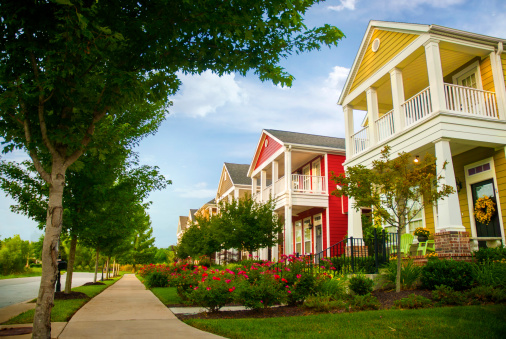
[(412, 4), (204, 94), (345, 4), (198, 190)]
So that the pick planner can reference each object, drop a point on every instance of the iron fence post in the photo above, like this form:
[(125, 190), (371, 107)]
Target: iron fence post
[(352, 259)]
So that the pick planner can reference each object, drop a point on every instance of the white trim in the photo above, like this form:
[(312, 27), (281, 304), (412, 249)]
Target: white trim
[(328, 226), (490, 174), (466, 72), (267, 162)]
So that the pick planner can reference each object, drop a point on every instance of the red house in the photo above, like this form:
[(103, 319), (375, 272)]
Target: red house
[(298, 167)]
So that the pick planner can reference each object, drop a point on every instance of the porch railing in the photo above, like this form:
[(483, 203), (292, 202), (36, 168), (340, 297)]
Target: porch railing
[(461, 99), (385, 125), (279, 185), (360, 141), (417, 107), (308, 183)]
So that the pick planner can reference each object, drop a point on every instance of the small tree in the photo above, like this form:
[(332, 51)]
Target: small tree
[(397, 189), (247, 225)]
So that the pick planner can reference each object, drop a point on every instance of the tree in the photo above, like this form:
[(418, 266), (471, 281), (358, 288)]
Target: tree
[(66, 66), (397, 189), (244, 224), (14, 253), (199, 239)]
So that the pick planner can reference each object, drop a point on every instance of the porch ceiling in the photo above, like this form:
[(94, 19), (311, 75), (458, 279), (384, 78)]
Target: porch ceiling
[(298, 159)]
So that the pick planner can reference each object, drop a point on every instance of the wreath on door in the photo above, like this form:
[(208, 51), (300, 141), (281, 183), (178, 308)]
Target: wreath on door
[(484, 209)]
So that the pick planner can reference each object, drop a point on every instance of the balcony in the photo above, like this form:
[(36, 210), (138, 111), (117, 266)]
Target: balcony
[(300, 184), (461, 100)]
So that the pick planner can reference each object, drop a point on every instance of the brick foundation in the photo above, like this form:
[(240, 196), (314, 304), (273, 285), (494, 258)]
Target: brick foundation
[(452, 243)]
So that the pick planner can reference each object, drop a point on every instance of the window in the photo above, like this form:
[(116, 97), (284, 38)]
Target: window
[(307, 235), (469, 76), (298, 237), (478, 169)]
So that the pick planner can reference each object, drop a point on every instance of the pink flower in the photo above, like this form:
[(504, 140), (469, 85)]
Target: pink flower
[(261, 301), (276, 276), (284, 280), (216, 278), (228, 281), (299, 276), (208, 288), (231, 289), (289, 291)]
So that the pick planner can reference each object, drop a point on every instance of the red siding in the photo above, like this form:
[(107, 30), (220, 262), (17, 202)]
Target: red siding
[(266, 152), (338, 220)]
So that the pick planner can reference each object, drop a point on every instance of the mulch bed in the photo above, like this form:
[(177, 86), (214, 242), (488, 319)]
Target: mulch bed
[(4, 332), (93, 283), (69, 296), (386, 298)]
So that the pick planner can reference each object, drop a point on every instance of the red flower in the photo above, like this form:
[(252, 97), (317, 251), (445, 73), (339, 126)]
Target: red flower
[(284, 280), (216, 278), (276, 276), (231, 289)]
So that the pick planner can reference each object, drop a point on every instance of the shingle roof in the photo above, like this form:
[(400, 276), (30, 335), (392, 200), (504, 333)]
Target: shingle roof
[(238, 173), (192, 213), (307, 139), (211, 202)]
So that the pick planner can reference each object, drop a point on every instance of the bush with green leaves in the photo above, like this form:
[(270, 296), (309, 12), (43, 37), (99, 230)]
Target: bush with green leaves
[(364, 302), (334, 287), (446, 295), (361, 285), (455, 274), (324, 303), (156, 279), (490, 273), (410, 273), (490, 254), (213, 291), (413, 301), (264, 292), (14, 253)]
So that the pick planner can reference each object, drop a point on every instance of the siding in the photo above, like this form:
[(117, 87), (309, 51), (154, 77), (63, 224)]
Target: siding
[(338, 221), (391, 44), (500, 172), (429, 218), (487, 79), (266, 152), (503, 61), (225, 184)]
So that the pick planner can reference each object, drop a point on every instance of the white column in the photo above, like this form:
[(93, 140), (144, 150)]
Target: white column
[(354, 220), (500, 90), (449, 216), (288, 170), (398, 99), (288, 230), (348, 129), (263, 184), (372, 114), (253, 185), (435, 73), (275, 177), (236, 194)]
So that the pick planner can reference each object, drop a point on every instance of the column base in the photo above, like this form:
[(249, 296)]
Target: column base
[(451, 228)]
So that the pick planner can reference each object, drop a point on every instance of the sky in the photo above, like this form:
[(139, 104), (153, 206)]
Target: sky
[(219, 119)]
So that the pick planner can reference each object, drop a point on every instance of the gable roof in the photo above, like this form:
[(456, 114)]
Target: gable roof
[(418, 29), (238, 173), (295, 138)]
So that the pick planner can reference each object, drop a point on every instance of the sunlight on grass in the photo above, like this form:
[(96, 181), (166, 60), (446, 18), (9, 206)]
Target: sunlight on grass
[(448, 322), (167, 295)]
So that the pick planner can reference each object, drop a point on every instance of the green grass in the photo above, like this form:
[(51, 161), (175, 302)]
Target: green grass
[(448, 322), (32, 272), (167, 295), (63, 310)]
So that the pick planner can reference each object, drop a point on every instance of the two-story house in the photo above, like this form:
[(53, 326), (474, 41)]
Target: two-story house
[(428, 88), (294, 169)]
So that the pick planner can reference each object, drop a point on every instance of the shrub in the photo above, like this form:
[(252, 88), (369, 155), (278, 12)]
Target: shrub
[(499, 295), (361, 285), (489, 273), (446, 295), (409, 273), (413, 301), (481, 294), (324, 303), (455, 274), (335, 287), (212, 294), (364, 302), (156, 279), (263, 293), (490, 254)]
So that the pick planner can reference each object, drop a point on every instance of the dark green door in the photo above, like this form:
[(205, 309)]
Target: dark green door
[(481, 189)]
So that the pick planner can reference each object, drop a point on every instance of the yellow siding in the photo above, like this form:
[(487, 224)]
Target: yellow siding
[(429, 218), (487, 79), (391, 44), (500, 173), (503, 60), (225, 184)]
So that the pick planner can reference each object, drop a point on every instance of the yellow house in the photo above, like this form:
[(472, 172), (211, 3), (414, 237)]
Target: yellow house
[(428, 88)]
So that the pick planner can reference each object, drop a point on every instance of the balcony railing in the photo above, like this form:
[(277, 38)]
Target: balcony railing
[(417, 107), (360, 141), (385, 125), (469, 100), (308, 183), (279, 185)]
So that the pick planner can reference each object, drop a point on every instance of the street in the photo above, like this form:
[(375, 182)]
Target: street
[(17, 290)]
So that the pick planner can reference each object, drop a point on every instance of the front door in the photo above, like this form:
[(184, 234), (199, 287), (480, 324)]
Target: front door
[(481, 189)]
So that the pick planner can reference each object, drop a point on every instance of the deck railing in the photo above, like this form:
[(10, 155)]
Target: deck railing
[(385, 125), (417, 107), (308, 183), (461, 99), (360, 140)]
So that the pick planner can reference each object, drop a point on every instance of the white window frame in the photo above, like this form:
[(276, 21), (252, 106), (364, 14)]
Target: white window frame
[(304, 240), (298, 223), (466, 72)]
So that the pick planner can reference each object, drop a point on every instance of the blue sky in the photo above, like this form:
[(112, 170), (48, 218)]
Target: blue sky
[(216, 120)]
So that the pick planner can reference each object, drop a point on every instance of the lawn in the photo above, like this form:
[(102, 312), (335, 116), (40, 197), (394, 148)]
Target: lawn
[(444, 322), (167, 295), (63, 310), (32, 272)]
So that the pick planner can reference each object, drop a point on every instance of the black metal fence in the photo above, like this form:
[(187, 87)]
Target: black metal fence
[(352, 255)]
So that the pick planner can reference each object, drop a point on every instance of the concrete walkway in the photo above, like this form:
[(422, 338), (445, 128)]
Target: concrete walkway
[(128, 310)]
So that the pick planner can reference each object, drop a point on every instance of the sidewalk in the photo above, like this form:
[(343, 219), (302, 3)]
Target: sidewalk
[(128, 310)]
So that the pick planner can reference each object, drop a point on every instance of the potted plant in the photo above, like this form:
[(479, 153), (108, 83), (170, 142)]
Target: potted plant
[(422, 234)]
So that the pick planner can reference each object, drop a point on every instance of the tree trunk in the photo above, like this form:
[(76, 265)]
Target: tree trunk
[(96, 266), (107, 268), (42, 317), (399, 261), (70, 265), (114, 268)]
